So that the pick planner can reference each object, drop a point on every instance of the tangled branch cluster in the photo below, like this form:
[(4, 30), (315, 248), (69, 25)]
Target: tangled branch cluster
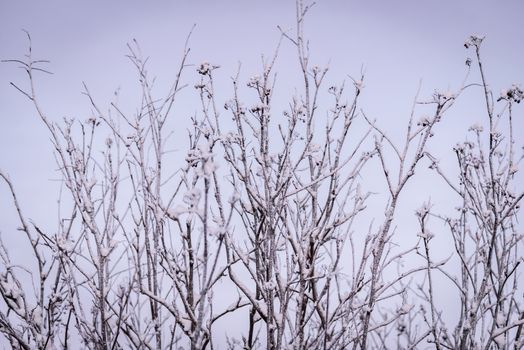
[(258, 225)]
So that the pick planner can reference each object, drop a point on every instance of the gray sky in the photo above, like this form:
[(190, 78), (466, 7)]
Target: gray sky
[(397, 42)]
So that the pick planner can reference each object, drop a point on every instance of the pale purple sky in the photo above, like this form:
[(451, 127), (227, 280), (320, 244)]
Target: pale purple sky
[(397, 42)]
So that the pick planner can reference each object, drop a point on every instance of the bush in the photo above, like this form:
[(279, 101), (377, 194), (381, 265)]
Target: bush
[(258, 224)]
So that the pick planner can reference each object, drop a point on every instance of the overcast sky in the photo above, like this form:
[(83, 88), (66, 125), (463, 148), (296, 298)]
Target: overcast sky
[(397, 43)]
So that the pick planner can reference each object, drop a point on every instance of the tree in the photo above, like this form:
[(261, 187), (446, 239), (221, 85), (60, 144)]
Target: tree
[(258, 222)]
